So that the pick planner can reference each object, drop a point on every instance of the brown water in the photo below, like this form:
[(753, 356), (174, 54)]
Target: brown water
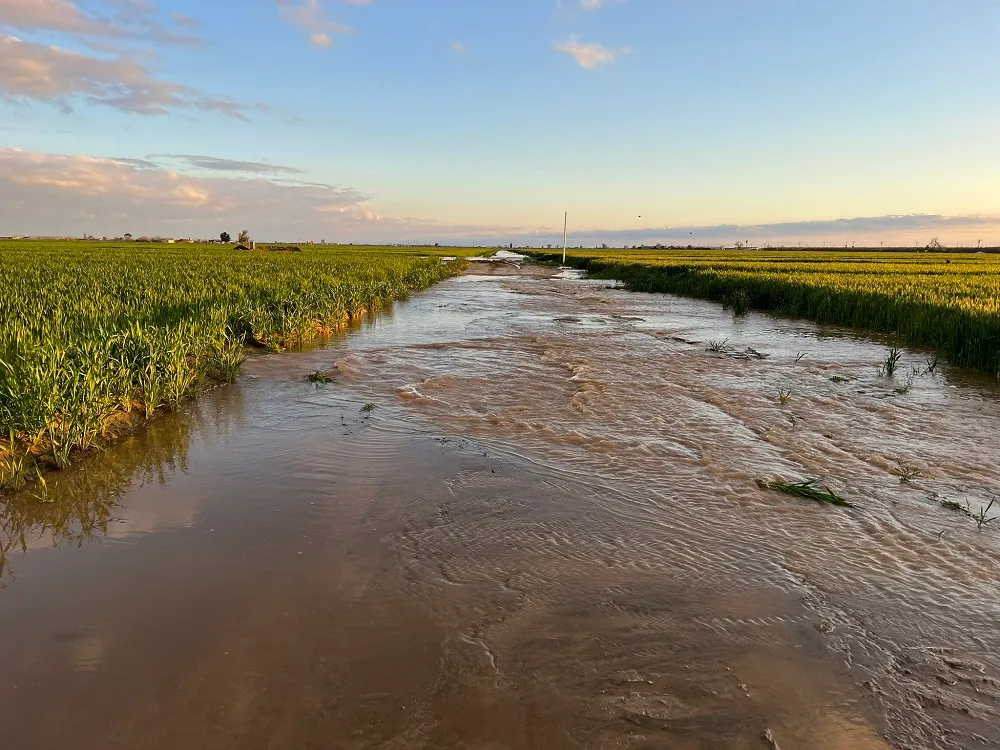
[(548, 534)]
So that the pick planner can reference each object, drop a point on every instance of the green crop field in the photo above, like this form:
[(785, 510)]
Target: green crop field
[(947, 302), (93, 335)]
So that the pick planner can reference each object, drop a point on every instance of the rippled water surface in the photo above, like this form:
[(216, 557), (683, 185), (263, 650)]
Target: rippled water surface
[(548, 533)]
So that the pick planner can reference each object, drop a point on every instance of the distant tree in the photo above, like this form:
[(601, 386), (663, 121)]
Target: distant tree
[(225, 237), (935, 244), (128, 237), (244, 238)]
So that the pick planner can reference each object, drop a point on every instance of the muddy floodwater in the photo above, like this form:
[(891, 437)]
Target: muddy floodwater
[(546, 532)]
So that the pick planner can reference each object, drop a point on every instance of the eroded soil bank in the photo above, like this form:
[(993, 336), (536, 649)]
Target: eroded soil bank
[(548, 534)]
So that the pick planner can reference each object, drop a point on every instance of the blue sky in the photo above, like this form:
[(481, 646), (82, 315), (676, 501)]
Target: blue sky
[(483, 120)]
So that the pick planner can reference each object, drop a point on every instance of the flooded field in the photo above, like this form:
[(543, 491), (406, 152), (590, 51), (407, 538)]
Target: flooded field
[(547, 533)]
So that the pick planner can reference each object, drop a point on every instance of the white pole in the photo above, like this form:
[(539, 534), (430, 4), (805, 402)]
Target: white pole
[(565, 234)]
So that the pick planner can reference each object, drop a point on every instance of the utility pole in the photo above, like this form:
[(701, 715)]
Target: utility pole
[(565, 234)]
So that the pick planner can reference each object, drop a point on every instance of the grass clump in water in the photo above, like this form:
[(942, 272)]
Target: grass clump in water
[(318, 378), (982, 517), (809, 489), (738, 301), (907, 473), (891, 362)]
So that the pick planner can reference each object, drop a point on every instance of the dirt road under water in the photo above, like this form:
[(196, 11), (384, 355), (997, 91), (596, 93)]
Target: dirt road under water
[(547, 534)]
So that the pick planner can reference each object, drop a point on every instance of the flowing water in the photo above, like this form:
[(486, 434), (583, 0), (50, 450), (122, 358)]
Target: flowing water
[(548, 533)]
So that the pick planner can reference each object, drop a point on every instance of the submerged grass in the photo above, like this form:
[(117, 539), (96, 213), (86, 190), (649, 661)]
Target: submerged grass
[(949, 302), (809, 489), (94, 336), (891, 362), (982, 517)]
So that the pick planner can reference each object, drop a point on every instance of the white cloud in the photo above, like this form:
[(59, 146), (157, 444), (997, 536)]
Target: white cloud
[(131, 20), (48, 194), (48, 73), (52, 192), (310, 15), (590, 55)]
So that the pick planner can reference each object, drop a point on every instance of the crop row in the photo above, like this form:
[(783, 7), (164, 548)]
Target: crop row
[(947, 302), (92, 335)]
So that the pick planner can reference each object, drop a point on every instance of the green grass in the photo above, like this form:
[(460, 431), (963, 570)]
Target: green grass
[(948, 302), (891, 362), (96, 335), (810, 490)]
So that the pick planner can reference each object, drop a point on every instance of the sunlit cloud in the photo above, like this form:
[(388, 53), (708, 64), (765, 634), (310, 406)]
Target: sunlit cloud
[(128, 21), (42, 193), (311, 16), (48, 73), (591, 55)]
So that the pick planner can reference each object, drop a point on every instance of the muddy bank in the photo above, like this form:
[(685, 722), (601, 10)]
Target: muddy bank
[(547, 534)]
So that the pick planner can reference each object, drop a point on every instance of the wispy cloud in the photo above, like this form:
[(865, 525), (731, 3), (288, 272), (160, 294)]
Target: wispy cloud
[(311, 16), (216, 164), (42, 193), (121, 36), (590, 55), (186, 195), (48, 73), (595, 4), (127, 21), (894, 231), (64, 192)]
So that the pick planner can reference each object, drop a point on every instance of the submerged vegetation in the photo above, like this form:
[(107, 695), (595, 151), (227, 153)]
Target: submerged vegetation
[(982, 517), (947, 302), (810, 490), (96, 335), (891, 362)]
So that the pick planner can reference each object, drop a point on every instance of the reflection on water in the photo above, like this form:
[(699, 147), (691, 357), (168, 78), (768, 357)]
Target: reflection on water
[(547, 534)]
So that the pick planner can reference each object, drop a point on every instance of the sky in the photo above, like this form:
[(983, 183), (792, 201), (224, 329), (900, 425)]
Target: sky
[(482, 121)]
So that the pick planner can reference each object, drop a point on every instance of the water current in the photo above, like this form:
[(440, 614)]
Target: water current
[(547, 532)]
